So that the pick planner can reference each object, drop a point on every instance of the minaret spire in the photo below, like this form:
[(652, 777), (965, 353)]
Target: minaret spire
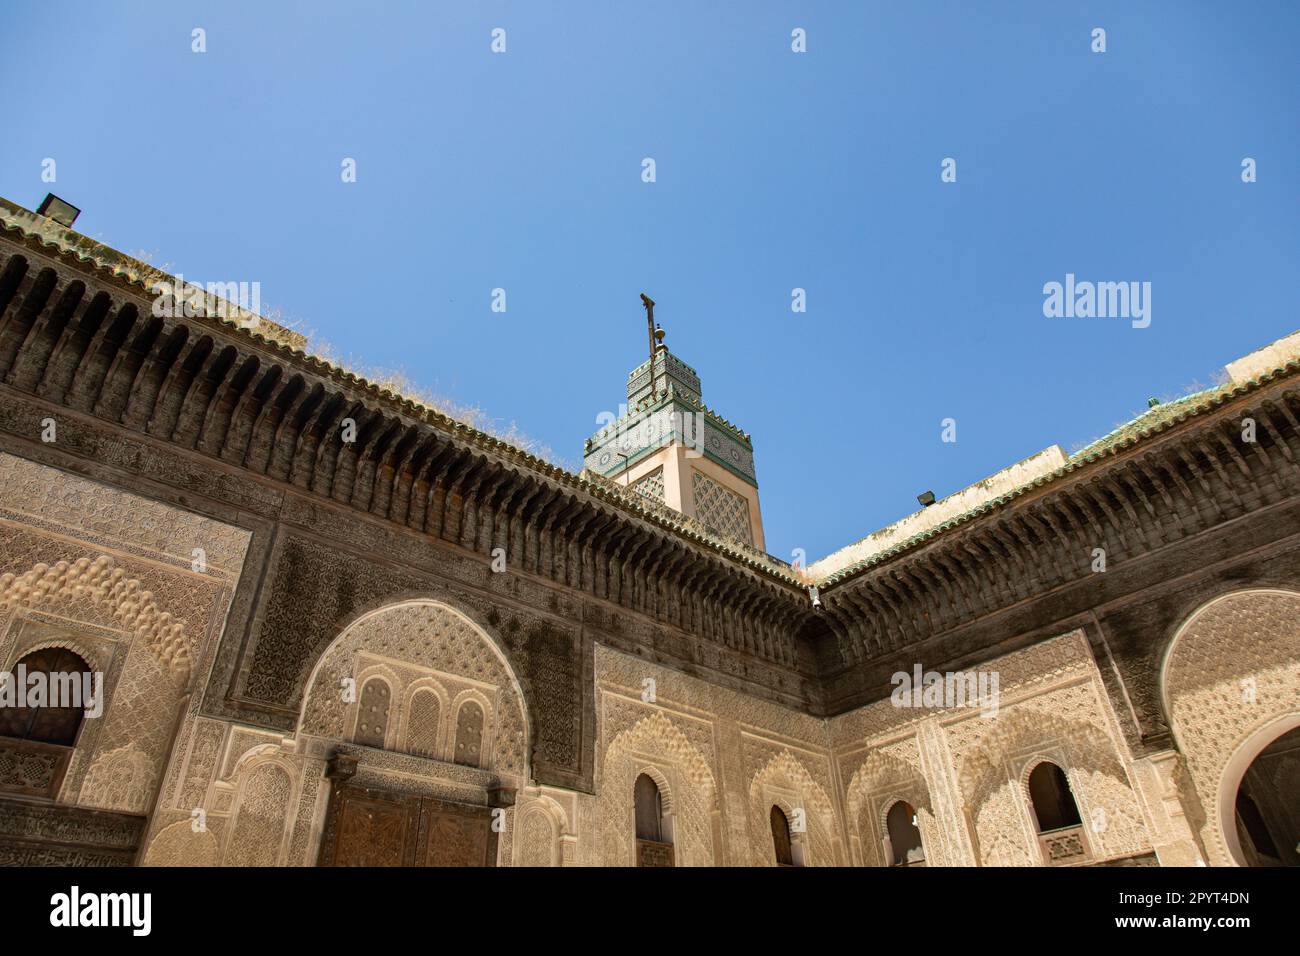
[(656, 335), (668, 447), (649, 304)]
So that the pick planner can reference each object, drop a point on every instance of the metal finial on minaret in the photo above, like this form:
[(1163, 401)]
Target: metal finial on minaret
[(649, 304), (656, 335), (653, 447)]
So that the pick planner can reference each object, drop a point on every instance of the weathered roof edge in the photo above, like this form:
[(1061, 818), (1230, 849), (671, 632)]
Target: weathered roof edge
[(1211, 398), (603, 489), (629, 502)]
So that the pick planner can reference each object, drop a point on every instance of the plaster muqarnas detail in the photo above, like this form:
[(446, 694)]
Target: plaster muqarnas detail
[(110, 577)]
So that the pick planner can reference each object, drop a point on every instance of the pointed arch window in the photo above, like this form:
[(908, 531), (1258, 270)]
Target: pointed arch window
[(781, 842), (654, 842), (1054, 806), (649, 809), (905, 844), (54, 719), (55, 687)]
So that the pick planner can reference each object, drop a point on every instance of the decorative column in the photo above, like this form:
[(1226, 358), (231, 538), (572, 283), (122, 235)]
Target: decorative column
[(945, 795), (501, 802), (1172, 835)]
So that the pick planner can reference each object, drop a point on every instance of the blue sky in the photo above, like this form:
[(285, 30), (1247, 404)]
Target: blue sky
[(775, 170)]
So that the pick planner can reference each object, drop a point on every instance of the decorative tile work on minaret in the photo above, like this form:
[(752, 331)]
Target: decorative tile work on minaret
[(724, 511), (673, 412), (668, 446), (652, 485)]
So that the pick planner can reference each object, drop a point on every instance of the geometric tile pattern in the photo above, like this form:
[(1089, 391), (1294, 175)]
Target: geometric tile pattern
[(722, 510), (652, 485)]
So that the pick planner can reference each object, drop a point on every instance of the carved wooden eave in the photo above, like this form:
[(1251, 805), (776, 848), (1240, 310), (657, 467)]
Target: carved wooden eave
[(77, 334), (78, 339), (1142, 495)]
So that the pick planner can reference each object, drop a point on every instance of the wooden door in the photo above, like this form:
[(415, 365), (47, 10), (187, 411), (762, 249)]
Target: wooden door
[(370, 828), (366, 827), (453, 834)]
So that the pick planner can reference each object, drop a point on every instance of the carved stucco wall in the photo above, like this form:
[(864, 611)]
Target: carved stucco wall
[(109, 575), (237, 796), (1231, 685), (422, 644), (313, 586), (722, 760), (263, 798), (965, 770), (544, 829), (890, 774), (113, 577)]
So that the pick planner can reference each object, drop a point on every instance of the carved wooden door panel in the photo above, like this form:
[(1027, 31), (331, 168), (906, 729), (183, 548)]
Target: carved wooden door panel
[(367, 827), (370, 828), (453, 834)]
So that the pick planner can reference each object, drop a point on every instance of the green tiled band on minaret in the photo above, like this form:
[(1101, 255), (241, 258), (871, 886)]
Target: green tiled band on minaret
[(673, 412), (667, 444)]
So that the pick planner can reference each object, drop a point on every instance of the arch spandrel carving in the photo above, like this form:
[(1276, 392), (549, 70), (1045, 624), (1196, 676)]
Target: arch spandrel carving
[(262, 812), (881, 781), (1230, 679), (785, 782), (538, 838), (686, 784), (141, 652), (431, 636), (182, 844), (102, 582), (993, 780), (122, 779)]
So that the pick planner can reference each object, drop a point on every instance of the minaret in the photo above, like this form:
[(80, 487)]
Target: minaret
[(668, 446)]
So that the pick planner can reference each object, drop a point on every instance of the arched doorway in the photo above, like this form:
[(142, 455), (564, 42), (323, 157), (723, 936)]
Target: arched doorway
[(1229, 690), (1260, 798), (782, 844), (52, 720)]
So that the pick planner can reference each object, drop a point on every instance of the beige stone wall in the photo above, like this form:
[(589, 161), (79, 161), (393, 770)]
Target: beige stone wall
[(722, 760)]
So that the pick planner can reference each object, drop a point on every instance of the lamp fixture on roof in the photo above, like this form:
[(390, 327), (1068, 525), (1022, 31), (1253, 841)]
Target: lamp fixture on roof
[(926, 498), (815, 596), (62, 212)]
